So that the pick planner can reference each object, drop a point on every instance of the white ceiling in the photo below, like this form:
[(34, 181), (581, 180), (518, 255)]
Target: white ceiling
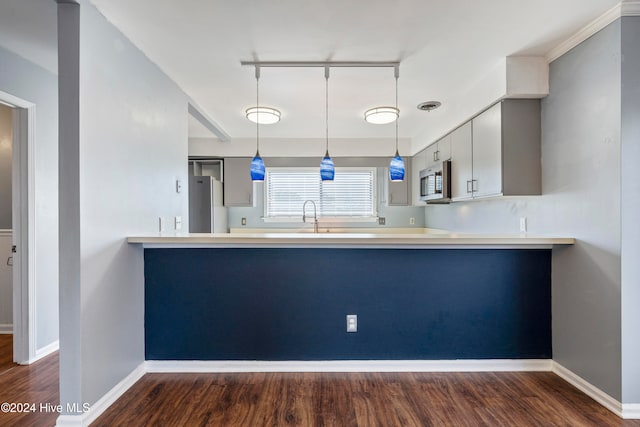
[(445, 47)]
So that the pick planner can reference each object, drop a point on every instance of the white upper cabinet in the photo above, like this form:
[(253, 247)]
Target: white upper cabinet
[(487, 153), (461, 164), (498, 153), (238, 187)]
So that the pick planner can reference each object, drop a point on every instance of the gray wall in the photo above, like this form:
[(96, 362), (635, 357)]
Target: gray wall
[(395, 216), (34, 84), (581, 199), (125, 143), (630, 198), (5, 167)]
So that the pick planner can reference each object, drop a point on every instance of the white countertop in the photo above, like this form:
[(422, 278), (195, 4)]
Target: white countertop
[(350, 240)]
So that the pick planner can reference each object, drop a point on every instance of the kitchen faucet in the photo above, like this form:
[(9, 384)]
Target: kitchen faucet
[(315, 214)]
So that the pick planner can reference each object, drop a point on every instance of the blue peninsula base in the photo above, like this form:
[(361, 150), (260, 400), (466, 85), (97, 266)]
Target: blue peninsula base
[(291, 304)]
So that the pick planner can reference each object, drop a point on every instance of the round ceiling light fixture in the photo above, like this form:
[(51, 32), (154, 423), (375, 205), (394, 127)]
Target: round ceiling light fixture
[(263, 115), (381, 115), (429, 105)]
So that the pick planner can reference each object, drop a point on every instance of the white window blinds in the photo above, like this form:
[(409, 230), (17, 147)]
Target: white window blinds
[(350, 195)]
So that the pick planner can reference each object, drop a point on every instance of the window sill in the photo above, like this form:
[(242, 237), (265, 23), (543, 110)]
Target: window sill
[(323, 220)]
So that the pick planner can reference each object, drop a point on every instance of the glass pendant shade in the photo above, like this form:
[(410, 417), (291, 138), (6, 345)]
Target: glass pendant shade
[(257, 168), (396, 168), (327, 169)]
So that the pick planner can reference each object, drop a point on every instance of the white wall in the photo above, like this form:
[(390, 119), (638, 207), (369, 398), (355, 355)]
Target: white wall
[(131, 144), (581, 199), (25, 80)]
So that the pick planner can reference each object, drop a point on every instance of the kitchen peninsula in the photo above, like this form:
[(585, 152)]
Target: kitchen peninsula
[(284, 296)]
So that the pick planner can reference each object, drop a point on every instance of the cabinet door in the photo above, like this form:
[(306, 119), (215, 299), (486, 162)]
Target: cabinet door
[(444, 149), (430, 154), (238, 187), (487, 153), (461, 172), (417, 164)]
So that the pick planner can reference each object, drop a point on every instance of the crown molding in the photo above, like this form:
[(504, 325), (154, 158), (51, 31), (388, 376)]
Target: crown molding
[(585, 32), (630, 8), (625, 8)]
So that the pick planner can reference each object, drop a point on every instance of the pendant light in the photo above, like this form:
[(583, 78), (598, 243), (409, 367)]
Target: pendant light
[(396, 167), (257, 164), (327, 169)]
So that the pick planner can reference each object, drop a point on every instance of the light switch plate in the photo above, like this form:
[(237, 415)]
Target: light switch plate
[(382, 220)]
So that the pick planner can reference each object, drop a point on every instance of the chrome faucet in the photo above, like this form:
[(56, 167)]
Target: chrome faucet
[(315, 214)]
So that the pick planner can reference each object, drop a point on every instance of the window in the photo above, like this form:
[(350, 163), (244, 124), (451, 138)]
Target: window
[(351, 195)]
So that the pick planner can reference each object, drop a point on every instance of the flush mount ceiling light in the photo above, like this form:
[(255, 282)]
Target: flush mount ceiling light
[(263, 115), (381, 115)]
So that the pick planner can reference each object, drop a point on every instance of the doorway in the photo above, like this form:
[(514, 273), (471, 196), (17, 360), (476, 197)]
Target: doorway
[(6, 239), (22, 247)]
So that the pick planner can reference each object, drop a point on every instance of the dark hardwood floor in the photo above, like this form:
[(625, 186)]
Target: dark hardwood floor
[(357, 399), (6, 352), (33, 384), (319, 399)]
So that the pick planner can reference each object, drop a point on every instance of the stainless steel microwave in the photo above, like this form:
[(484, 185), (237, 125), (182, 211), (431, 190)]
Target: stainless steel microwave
[(435, 183)]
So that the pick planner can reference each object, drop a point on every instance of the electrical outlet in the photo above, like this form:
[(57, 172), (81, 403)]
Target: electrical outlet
[(178, 223), (244, 221), (352, 323), (412, 221), (382, 220), (523, 224)]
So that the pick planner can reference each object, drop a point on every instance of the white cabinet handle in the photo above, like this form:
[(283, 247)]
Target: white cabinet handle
[(474, 185), (469, 190)]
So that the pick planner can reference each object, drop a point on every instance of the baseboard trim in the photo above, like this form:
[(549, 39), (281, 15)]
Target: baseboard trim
[(43, 352), (631, 411), (6, 328), (112, 395), (587, 388), (205, 366), (69, 421)]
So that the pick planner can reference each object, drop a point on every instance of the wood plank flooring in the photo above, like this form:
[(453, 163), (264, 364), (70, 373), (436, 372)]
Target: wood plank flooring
[(33, 384), (6, 352), (320, 399), (357, 399)]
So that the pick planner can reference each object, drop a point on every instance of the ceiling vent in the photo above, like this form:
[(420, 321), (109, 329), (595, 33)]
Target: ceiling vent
[(429, 105)]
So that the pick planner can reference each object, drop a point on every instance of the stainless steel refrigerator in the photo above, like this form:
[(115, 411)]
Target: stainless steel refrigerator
[(206, 212)]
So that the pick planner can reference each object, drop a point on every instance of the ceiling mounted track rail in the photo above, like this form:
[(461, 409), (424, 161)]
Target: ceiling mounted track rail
[(322, 64)]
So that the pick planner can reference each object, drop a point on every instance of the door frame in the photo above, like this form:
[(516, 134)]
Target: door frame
[(23, 227)]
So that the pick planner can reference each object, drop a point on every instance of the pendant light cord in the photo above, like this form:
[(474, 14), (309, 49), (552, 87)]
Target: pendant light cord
[(396, 73), (326, 90), (258, 110)]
